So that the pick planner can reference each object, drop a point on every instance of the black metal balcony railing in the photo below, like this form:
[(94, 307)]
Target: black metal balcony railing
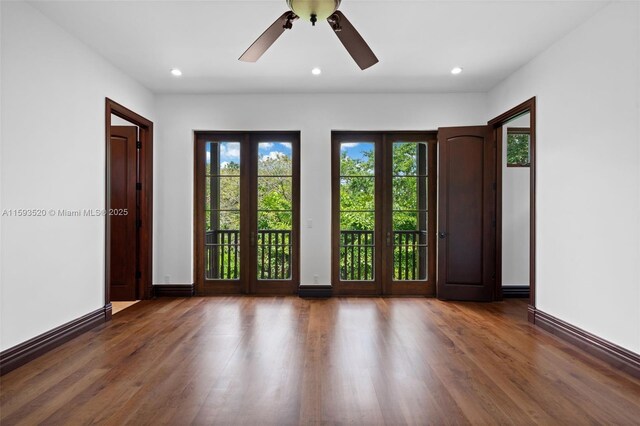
[(357, 255), (357, 250), (409, 255), (222, 255), (274, 255)]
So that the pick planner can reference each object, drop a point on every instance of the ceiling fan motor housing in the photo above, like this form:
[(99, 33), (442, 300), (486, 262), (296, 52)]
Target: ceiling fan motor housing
[(313, 10)]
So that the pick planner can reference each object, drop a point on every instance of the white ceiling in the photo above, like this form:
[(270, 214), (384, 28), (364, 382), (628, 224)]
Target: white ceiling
[(417, 42)]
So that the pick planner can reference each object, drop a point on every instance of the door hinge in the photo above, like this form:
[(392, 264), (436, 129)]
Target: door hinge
[(139, 186), (139, 223), (138, 145), (138, 274)]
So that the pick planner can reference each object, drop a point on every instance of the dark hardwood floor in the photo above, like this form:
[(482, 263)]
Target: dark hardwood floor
[(285, 360)]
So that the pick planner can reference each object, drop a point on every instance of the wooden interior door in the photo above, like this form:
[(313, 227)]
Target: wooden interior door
[(123, 176), (466, 213)]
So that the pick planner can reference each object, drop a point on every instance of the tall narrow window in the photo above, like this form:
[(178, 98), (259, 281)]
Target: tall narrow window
[(222, 214), (409, 210), (275, 210), (357, 211)]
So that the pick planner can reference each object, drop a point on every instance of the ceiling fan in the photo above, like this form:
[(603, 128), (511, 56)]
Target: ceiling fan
[(313, 10)]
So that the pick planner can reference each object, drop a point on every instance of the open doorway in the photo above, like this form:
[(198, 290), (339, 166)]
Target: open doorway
[(128, 207), (515, 203)]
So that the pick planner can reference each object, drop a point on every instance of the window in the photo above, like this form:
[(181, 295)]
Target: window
[(518, 147)]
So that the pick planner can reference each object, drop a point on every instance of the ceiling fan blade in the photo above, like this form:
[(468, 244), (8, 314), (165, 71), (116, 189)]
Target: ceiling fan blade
[(264, 42), (352, 40)]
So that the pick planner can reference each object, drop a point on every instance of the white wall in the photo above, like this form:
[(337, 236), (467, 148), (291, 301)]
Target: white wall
[(315, 116), (515, 215), (588, 172), (53, 157)]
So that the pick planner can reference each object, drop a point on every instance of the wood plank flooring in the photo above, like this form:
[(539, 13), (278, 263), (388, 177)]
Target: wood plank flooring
[(286, 360)]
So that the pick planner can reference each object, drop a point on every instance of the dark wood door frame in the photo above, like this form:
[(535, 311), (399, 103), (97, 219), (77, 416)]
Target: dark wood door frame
[(381, 285), (359, 288), (247, 283), (145, 254), (528, 106)]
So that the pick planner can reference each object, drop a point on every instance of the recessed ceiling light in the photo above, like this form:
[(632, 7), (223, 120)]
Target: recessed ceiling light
[(456, 70), (176, 72), (316, 71)]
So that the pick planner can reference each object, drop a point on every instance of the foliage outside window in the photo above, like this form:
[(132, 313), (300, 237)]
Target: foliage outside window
[(358, 211), (518, 148)]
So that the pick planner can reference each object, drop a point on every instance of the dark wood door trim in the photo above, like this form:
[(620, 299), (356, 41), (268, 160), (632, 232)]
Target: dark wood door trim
[(275, 287), (360, 288), (528, 106), (247, 284), (240, 285), (382, 284), (410, 288), (145, 236)]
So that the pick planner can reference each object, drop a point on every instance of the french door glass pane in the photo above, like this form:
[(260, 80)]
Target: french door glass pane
[(409, 221), (275, 210), (275, 193), (357, 211), (356, 193), (222, 211), (357, 159)]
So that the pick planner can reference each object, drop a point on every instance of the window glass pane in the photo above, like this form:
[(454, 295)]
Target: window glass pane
[(357, 193), (357, 221), (222, 193), (410, 193), (222, 255), (409, 258), (275, 193), (357, 215), (217, 220), (275, 159), (357, 255), (275, 220), (223, 158), (409, 158), (357, 159), (274, 255), (409, 246), (517, 148)]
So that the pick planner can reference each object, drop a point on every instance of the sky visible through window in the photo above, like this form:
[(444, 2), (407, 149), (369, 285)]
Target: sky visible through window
[(356, 150), (230, 151)]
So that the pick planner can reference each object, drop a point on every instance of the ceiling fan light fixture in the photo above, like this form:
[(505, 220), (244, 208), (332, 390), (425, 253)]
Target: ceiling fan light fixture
[(176, 72), (313, 10), (456, 70), (316, 71)]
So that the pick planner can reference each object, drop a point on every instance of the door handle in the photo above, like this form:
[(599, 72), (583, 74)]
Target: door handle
[(252, 239), (388, 239), (442, 235)]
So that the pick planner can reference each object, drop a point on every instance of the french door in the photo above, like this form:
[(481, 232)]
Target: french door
[(247, 212), (383, 213)]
